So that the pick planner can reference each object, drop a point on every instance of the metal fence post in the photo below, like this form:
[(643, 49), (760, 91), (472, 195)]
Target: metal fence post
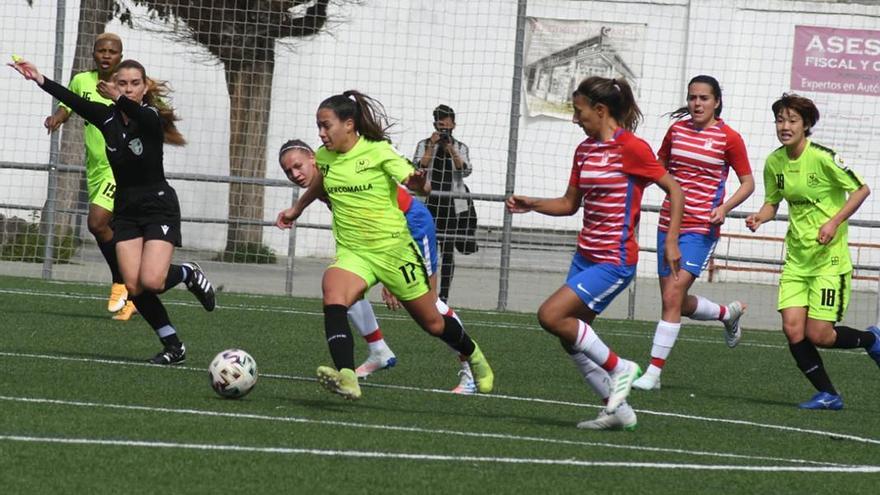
[(877, 316), (632, 291), (54, 147), (291, 251), (512, 142)]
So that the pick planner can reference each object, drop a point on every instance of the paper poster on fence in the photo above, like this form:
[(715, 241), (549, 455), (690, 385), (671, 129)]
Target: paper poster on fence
[(832, 60), (561, 53)]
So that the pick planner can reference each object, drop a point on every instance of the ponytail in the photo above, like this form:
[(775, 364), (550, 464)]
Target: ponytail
[(368, 114), (157, 95), (616, 95)]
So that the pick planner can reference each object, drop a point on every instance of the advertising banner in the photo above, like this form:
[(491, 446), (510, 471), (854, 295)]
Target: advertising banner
[(833, 60)]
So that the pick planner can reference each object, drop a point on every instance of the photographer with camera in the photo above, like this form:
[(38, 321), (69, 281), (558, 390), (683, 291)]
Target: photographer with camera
[(447, 161)]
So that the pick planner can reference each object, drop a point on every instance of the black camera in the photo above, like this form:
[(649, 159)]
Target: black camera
[(445, 135)]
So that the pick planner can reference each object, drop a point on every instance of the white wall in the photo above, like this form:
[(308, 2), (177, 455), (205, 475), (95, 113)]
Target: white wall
[(415, 54)]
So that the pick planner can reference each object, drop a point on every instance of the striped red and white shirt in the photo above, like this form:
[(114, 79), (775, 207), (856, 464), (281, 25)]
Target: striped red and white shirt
[(700, 160), (612, 176)]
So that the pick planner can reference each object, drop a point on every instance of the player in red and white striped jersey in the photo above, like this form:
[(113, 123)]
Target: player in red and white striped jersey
[(610, 170), (699, 153)]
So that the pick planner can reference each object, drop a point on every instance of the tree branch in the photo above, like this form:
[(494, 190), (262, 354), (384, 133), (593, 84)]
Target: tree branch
[(241, 31)]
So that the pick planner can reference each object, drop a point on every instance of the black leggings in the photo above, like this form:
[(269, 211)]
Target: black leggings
[(447, 267), (446, 221)]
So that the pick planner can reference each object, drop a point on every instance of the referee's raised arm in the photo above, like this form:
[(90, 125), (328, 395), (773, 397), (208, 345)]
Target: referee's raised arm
[(94, 113)]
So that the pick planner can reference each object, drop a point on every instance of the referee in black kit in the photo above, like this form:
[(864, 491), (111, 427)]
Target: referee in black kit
[(146, 214)]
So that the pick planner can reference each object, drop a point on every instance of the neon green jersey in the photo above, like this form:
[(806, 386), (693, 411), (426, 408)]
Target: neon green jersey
[(85, 84), (815, 187), (361, 186)]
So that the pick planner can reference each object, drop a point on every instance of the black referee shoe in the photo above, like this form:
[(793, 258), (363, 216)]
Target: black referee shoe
[(170, 355), (200, 286)]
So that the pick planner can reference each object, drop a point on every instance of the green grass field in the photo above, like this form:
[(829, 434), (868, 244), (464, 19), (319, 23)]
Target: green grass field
[(82, 411)]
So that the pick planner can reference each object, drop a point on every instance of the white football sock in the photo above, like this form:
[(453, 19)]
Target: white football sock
[(362, 317), (706, 310), (589, 343), (664, 339), (593, 374), (653, 370)]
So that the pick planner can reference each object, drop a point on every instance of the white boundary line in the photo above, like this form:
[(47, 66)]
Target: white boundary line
[(793, 429), (472, 323), (410, 429), (434, 457)]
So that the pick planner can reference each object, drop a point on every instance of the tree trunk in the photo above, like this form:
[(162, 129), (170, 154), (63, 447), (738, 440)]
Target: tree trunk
[(250, 92), (93, 17)]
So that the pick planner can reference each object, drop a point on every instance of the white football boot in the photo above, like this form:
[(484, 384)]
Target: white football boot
[(623, 418), (733, 332), (377, 360)]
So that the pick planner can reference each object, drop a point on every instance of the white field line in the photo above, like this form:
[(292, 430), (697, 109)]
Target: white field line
[(410, 429), (471, 323), (829, 434), (434, 457)]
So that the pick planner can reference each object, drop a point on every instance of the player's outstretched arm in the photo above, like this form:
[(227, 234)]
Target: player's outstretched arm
[(27, 69), (146, 117), (676, 210), (390, 301), (95, 113), (417, 181), (288, 216), (54, 121), (765, 214), (746, 188), (853, 202), (565, 205)]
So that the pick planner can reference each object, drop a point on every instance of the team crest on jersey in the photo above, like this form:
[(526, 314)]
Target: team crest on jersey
[(708, 144), (605, 157), (136, 146), (812, 179), (361, 165), (324, 168)]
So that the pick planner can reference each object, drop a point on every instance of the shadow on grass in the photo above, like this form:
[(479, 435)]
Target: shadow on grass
[(97, 315), (373, 403)]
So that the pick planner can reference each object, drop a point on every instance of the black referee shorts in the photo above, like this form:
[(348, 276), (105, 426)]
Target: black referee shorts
[(151, 212)]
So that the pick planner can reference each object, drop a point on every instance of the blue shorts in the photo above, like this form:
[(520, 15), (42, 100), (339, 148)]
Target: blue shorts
[(597, 284), (696, 250), (421, 227)]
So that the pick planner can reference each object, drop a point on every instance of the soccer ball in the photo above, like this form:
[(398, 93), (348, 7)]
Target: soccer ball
[(233, 373)]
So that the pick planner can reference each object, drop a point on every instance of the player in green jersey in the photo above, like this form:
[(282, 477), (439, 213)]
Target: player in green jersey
[(297, 160), (360, 171), (99, 178), (815, 286)]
